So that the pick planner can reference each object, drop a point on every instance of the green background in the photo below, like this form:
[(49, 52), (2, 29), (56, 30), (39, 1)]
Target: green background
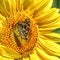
[(56, 3)]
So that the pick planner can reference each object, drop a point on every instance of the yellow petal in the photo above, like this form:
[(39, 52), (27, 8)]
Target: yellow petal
[(10, 5), (54, 58), (41, 4), (41, 53), (34, 56), (26, 3), (49, 5), (3, 10), (45, 7), (37, 6), (19, 4), (3, 58), (8, 52), (53, 22), (51, 25), (47, 17), (50, 47), (2, 20), (53, 36), (1, 26), (30, 3), (26, 58)]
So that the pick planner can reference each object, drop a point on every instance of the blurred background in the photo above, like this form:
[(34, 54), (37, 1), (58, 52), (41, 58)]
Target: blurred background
[(56, 3)]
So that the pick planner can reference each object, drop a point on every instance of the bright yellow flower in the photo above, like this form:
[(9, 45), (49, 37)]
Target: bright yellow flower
[(26, 30)]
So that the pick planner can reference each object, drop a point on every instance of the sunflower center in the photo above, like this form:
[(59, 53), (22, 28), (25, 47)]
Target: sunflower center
[(19, 33)]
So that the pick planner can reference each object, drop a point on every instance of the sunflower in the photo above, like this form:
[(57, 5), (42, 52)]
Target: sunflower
[(27, 30)]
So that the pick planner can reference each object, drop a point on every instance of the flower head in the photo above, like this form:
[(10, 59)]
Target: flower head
[(26, 30)]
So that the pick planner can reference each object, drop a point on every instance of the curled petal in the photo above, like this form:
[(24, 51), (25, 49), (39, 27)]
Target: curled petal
[(52, 36), (41, 53), (50, 47)]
